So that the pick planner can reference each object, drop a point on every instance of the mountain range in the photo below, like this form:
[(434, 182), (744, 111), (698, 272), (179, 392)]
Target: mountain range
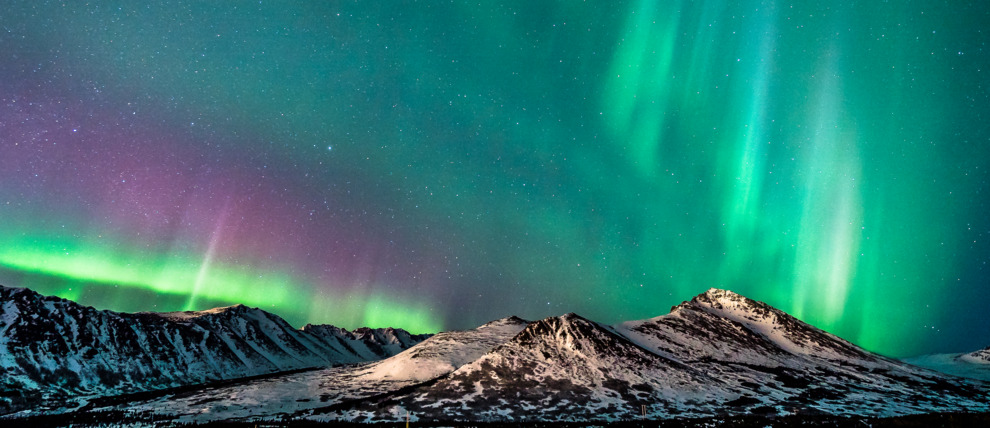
[(53, 349), (718, 354)]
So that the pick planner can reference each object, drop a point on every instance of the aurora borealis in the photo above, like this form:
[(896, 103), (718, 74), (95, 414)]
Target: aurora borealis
[(436, 165)]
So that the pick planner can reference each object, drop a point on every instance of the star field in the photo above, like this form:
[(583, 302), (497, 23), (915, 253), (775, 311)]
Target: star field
[(441, 164)]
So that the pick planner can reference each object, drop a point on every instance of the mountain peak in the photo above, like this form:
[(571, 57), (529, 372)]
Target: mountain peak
[(723, 302), (8, 292), (785, 331), (979, 357), (718, 299), (12, 290), (718, 295), (511, 320), (566, 327), (328, 330), (188, 315)]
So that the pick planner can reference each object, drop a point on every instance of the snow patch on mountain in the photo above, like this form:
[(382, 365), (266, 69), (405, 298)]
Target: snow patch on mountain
[(979, 357), (953, 364), (975, 365), (186, 316), (444, 352)]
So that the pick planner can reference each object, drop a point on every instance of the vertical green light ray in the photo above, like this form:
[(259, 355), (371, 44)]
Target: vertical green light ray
[(204, 268), (637, 92), (704, 48), (744, 212), (831, 218)]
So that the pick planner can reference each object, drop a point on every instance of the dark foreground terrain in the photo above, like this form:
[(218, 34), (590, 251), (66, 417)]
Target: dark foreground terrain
[(932, 420)]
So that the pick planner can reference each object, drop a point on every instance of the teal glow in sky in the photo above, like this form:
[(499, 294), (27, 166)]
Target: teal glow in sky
[(438, 165)]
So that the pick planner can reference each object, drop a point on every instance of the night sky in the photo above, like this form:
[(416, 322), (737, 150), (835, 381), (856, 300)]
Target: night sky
[(435, 165)]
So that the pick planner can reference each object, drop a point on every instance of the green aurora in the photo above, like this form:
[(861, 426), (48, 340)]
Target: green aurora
[(438, 165)]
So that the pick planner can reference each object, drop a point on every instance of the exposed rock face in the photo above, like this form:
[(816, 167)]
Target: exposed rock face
[(367, 343), (51, 347)]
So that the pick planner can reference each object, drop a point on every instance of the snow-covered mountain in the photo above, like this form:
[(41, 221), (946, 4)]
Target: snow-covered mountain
[(368, 344), (974, 365), (51, 348), (979, 357), (719, 354), (557, 367), (444, 352), (775, 363)]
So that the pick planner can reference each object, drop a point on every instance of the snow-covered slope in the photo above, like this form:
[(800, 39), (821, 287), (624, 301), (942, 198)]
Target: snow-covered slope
[(975, 365), (952, 364), (718, 354), (772, 326), (444, 352), (747, 332), (979, 357), (51, 348)]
